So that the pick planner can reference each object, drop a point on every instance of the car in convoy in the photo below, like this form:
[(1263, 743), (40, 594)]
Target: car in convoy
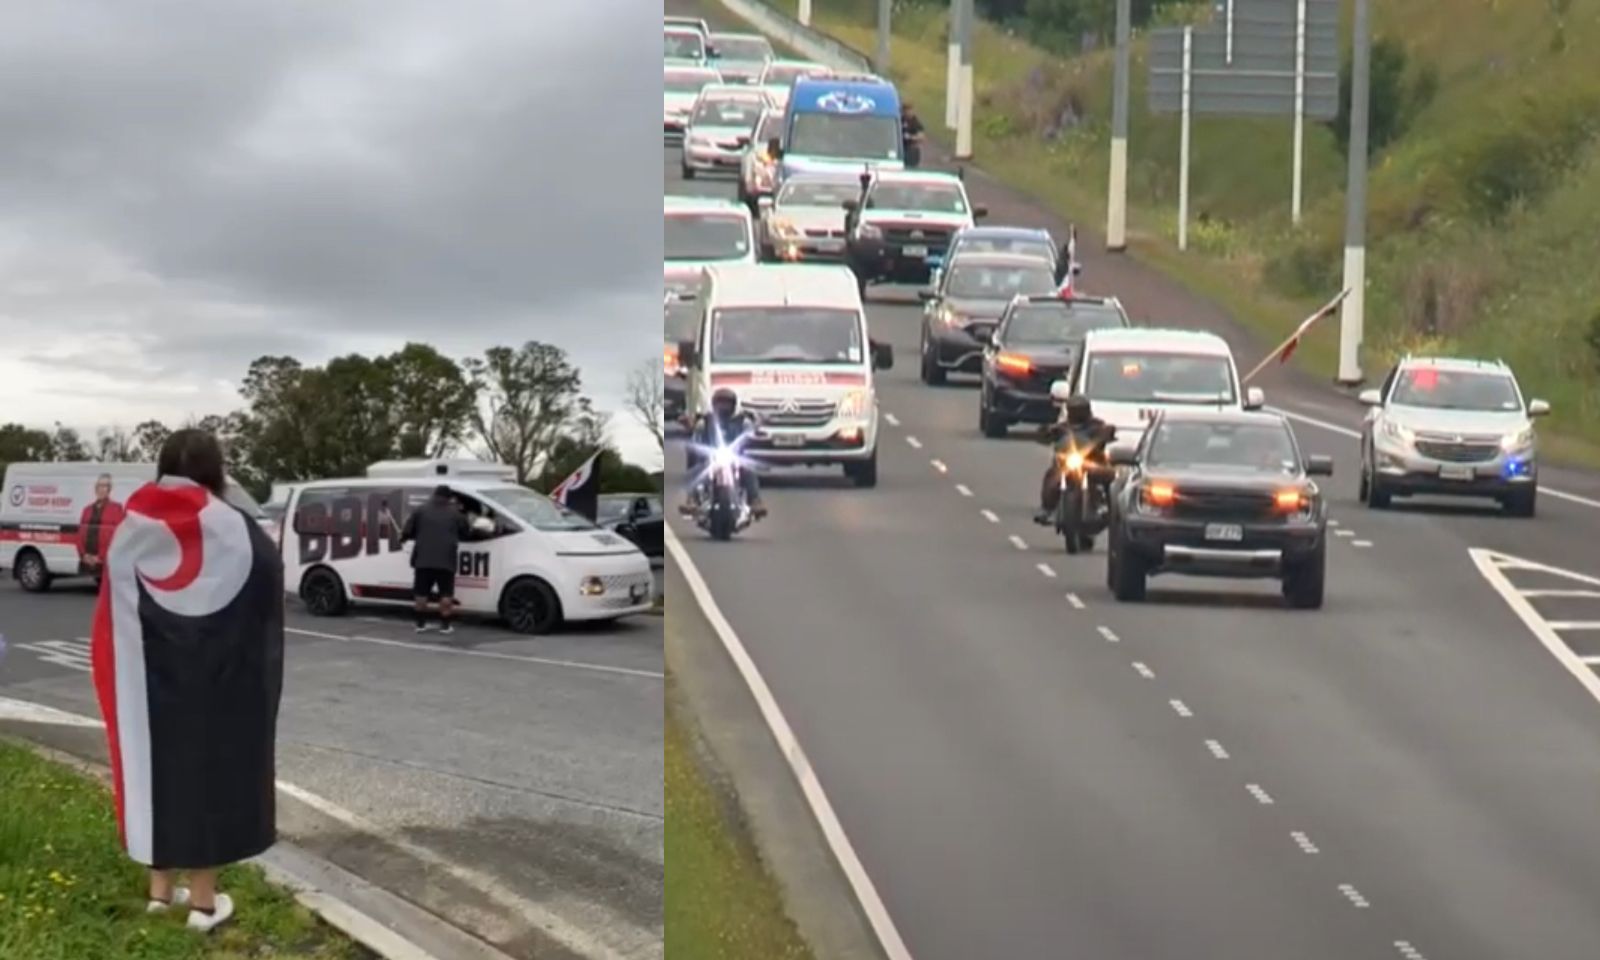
[(56, 518), (835, 124), (805, 221), (720, 127), (758, 169), (792, 340), (1035, 344), (1132, 375), (1454, 427), (636, 517), (900, 226), (1219, 493), (684, 45), (680, 314), (741, 57), (1028, 241), (703, 230), (680, 88), (779, 76), (530, 561), (959, 313), (692, 23)]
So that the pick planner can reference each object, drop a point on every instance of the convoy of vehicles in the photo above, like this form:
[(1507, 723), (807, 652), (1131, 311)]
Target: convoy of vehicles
[(1036, 344), (959, 314), (680, 88), (837, 124), (805, 221), (741, 57), (899, 228), (719, 128), (704, 230)]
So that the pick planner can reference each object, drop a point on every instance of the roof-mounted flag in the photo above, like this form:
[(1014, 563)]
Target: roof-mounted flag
[(580, 492)]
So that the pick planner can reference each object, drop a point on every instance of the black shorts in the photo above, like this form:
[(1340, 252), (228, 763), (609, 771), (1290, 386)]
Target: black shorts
[(426, 580)]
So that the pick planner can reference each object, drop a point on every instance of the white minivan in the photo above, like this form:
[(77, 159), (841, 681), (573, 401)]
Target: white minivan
[(56, 517), (533, 563)]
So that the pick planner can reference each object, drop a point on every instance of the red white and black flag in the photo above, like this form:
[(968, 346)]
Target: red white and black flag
[(188, 669), (1286, 349), (581, 491)]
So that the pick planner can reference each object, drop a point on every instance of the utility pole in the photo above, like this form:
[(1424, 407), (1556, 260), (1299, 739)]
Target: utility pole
[(1352, 311), (881, 63), (1117, 206), (805, 13), (952, 79), (964, 109)]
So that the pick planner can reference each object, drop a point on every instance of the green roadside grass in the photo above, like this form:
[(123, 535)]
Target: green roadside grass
[(67, 891), (721, 904)]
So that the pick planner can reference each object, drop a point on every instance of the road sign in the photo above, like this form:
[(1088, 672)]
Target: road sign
[(1259, 83)]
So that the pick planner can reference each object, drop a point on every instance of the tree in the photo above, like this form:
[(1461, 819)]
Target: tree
[(149, 437), (527, 399), (433, 401), (645, 385), (115, 445), (20, 444), (67, 445)]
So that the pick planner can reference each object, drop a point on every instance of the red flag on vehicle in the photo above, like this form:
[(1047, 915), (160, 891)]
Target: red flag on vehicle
[(581, 491), (1286, 349)]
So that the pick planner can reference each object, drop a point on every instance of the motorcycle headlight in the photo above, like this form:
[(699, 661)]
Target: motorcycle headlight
[(1072, 462), (1521, 440), (784, 228), (723, 457), (853, 406), (1397, 432)]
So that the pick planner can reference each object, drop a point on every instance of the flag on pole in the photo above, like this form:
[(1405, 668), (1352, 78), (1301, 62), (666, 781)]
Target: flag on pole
[(1068, 283), (580, 492), (1286, 349)]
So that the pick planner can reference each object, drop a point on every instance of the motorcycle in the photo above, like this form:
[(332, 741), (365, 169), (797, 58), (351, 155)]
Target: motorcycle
[(722, 508), (1082, 512)]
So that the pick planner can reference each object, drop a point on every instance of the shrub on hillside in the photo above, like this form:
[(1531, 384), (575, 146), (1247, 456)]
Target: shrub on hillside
[(1398, 92), (1520, 153)]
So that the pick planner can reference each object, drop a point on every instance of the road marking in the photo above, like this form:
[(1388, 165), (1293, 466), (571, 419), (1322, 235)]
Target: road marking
[(72, 654), (28, 712), (1046, 569), (1143, 670), (1354, 896), (939, 466), (1107, 632), (1344, 533), (1181, 708), (1262, 797), (989, 515), (486, 654), (1575, 594), (1018, 542), (1333, 523), (1408, 951), (799, 764), (915, 443), (964, 490), (1304, 842), (1575, 625), (1356, 435), (1077, 604), (894, 421), (1361, 543), (1216, 750), (1492, 566)]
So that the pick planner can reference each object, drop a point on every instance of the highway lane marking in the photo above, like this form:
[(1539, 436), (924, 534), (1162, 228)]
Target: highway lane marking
[(1262, 797), (964, 490), (1045, 569), (1333, 523), (1216, 750), (1356, 435), (27, 711), (1018, 542), (894, 421), (1575, 625), (72, 654), (1354, 896), (485, 654), (1344, 533), (1362, 544), (1143, 670), (1304, 842), (990, 516), (799, 764), (1493, 565), (1109, 634), (1575, 594), (1408, 951), (1181, 708), (1077, 604), (939, 466), (915, 443)]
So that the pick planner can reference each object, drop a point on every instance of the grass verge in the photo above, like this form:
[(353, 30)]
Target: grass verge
[(68, 892), (721, 904)]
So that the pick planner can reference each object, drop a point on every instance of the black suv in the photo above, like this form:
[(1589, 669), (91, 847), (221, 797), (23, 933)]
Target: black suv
[(973, 293), (1219, 494), (1037, 342)]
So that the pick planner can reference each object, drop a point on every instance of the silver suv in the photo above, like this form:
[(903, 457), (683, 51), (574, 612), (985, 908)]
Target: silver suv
[(1453, 427)]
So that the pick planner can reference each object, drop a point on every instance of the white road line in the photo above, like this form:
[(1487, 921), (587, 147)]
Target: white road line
[(1344, 533), (62, 653), (1304, 842), (1363, 544), (915, 443), (871, 904), (1077, 604), (894, 421), (939, 466), (28, 712), (1408, 951), (989, 515), (1493, 565), (1574, 594), (1216, 750), (1354, 896), (1575, 625), (1181, 708), (1109, 634), (1356, 435), (964, 490), (1143, 670), (1018, 542), (1333, 523), (1046, 569), (1262, 797), (486, 654)]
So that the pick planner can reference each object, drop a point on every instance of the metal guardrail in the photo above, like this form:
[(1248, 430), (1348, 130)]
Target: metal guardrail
[(785, 29)]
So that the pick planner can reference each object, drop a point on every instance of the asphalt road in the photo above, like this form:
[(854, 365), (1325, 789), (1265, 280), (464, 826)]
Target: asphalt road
[(532, 763), (1027, 768)]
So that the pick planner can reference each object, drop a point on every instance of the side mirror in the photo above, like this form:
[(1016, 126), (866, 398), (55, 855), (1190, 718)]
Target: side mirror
[(1123, 454), (1060, 391), (1319, 465), (1538, 408), (774, 148), (1371, 398), (1254, 398), (686, 354), (882, 356), (979, 212)]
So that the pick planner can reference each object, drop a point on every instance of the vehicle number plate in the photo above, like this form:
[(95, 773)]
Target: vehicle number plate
[(918, 252), (1227, 532), (788, 440), (1456, 473)]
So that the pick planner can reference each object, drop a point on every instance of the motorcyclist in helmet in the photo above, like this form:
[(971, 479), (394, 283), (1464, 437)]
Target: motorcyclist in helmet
[(729, 422), (1078, 428)]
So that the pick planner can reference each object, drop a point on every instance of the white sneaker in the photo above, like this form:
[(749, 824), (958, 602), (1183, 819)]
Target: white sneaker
[(180, 896), (421, 628), (205, 923)]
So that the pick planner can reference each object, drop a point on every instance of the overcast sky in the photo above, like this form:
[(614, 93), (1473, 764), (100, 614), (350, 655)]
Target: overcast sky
[(187, 186)]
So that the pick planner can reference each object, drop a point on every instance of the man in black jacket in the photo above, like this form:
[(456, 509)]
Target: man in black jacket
[(437, 528), (1087, 433), (725, 424)]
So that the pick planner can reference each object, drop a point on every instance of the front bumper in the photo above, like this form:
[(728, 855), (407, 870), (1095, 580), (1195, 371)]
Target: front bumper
[(1403, 469), (627, 583), (709, 157), (1021, 404), (841, 441), (903, 263), (1266, 550), (804, 248), (954, 349)]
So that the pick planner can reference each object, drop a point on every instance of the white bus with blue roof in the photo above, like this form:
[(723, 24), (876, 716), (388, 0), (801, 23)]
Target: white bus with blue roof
[(840, 123)]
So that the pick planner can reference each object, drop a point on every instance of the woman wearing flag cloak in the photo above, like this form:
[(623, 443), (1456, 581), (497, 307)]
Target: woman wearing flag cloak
[(188, 668)]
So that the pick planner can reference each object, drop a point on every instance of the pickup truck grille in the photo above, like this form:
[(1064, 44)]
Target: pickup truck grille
[(1239, 507), (933, 237)]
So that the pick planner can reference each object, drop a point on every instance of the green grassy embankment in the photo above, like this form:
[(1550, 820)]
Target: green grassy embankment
[(67, 891), (1483, 217)]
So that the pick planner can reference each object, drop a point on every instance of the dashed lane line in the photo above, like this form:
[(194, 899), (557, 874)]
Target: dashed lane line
[(894, 421), (990, 516), (1362, 544), (1344, 533), (1216, 749), (964, 490), (1075, 601), (914, 442), (1354, 896), (1303, 842), (1406, 950), (1045, 569), (939, 466), (1109, 634), (1143, 670), (1181, 708), (1261, 795), (1018, 542)]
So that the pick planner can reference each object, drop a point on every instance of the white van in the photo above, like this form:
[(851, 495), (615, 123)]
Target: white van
[(50, 526), (792, 342), (1133, 373), (539, 565)]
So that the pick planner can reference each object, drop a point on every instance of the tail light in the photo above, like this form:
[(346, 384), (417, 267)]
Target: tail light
[(1012, 363), (669, 360)]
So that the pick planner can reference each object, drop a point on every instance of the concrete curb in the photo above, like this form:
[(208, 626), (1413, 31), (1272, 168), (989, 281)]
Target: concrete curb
[(341, 899)]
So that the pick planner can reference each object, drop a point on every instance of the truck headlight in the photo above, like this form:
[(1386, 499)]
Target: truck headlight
[(853, 406), (591, 587), (1397, 433), (1521, 440)]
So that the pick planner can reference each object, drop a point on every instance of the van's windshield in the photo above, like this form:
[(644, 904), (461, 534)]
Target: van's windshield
[(787, 335), (536, 510)]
